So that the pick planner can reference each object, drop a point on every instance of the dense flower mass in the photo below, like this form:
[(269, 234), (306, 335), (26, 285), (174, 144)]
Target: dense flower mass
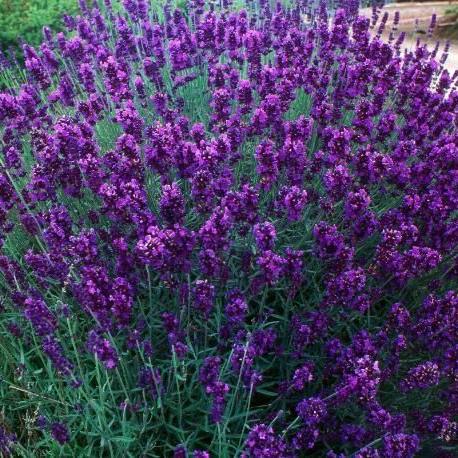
[(228, 229)]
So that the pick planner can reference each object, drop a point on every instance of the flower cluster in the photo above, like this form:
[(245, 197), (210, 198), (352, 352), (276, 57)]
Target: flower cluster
[(209, 377), (247, 212)]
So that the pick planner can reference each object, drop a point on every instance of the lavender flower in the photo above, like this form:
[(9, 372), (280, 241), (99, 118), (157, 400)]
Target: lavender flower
[(421, 376), (102, 349), (209, 377), (312, 411), (233, 204), (236, 307), (265, 235), (7, 441), (262, 442), (59, 432), (302, 376), (400, 445)]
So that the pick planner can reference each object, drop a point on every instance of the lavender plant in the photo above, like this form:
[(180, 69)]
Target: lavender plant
[(228, 230)]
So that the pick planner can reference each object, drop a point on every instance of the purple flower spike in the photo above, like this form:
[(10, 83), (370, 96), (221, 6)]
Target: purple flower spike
[(59, 432), (312, 411)]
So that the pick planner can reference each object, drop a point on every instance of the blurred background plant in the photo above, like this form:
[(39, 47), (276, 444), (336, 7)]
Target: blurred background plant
[(25, 19), (451, 23)]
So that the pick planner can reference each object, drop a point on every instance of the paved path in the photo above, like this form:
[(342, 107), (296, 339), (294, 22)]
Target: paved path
[(411, 11)]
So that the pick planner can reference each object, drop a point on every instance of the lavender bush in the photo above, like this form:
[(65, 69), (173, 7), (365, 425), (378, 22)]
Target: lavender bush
[(228, 230)]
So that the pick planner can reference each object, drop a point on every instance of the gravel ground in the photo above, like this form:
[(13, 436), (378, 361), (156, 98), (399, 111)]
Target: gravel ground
[(409, 12)]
